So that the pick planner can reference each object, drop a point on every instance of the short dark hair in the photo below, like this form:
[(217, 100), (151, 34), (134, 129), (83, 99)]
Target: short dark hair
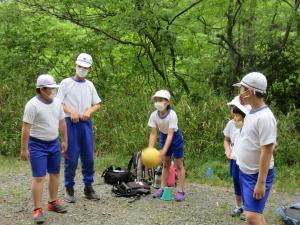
[(38, 90), (236, 110)]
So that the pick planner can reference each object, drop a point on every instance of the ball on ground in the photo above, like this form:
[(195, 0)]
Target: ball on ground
[(151, 157)]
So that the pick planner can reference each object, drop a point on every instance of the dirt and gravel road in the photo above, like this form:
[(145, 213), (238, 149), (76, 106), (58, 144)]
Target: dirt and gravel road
[(204, 205)]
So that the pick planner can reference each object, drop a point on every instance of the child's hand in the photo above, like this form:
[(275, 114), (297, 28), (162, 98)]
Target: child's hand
[(162, 155), (64, 146), (25, 155), (259, 190)]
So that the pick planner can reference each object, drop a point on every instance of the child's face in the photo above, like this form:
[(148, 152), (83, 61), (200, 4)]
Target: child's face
[(237, 117), (161, 103)]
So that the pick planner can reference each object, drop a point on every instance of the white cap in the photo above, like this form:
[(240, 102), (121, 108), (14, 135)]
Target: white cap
[(84, 60), (236, 102), (255, 81), (162, 94), (46, 80)]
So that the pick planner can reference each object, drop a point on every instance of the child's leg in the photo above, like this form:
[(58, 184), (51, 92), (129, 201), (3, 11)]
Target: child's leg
[(180, 173), (238, 200), (165, 171), (37, 191), (53, 186), (254, 218)]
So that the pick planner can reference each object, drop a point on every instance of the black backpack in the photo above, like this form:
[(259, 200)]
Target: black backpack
[(131, 189), (291, 214), (117, 175), (140, 171)]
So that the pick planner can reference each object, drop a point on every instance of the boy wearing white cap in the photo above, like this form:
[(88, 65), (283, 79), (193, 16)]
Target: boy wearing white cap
[(80, 100), (43, 117), (255, 148), (231, 133), (171, 141)]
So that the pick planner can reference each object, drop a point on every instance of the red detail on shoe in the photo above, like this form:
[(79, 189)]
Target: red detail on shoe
[(51, 205), (37, 212)]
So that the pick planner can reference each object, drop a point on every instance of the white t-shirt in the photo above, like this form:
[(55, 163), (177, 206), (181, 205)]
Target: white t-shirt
[(80, 95), (163, 123), (259, 129), (232, 132), (44, 118)]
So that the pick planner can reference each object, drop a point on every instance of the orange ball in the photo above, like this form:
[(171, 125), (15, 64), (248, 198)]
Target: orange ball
[(151, 157)]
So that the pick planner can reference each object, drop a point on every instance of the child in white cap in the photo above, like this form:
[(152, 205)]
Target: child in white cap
[(171, 142), (80, 101), (255, 147), (231, 133), (43, 118)]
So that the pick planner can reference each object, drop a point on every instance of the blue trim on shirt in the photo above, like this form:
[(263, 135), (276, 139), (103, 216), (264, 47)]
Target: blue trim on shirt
[(257, 110), (44, 101), (164, 116), (79, 81)]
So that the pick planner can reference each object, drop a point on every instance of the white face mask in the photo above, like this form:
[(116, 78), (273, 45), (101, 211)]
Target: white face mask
[(82, 72), (53, 93), (160, 106)]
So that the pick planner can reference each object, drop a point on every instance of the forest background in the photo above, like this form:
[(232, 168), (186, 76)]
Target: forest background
[(195, 49)]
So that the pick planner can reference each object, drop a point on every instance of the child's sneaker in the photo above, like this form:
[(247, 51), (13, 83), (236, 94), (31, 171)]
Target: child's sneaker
[(158, 193), (180, 196), (56, 206), (237, 211), (243, 216), (38, 216)]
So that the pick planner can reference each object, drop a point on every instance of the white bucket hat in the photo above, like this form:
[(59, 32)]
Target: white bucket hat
[(162, 94), (255, 81), (46, 80), (236, 102)]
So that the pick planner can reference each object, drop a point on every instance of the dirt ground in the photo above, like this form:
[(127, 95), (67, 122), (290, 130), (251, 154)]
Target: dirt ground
[(203, 205)]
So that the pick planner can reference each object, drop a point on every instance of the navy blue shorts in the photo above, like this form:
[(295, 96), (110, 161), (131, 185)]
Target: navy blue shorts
[(234, 173), (176, 148), (248, 182), (44, 156)]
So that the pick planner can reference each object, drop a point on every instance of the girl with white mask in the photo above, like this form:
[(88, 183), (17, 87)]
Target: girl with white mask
[(165, 120)]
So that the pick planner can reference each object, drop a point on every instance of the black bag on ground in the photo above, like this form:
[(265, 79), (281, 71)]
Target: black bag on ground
[(117, 175), (130, 189), (140, 171), (291, 214)]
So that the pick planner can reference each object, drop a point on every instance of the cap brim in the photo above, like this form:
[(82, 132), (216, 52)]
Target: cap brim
[(159, 96), (49, 86), (83, 64), (237, 84)]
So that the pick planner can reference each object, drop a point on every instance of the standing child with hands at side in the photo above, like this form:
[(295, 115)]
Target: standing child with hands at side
[(171, 141), (231, 133)]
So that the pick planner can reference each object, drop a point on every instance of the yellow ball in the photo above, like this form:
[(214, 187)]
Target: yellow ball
[(151, 157)]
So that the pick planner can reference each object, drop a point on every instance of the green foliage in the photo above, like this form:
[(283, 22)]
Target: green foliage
[(196, 49)]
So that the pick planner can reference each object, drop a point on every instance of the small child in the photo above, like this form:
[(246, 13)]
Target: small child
[(255, 147), (171, 141), (42, 120), (231, 132)]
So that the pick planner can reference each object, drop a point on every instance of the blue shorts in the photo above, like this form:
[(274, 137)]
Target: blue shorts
[(44, 156), (248, 182), (234, 173), (176, 147)]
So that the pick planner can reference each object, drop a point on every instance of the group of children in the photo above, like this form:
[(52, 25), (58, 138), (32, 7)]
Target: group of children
[(249, 141)]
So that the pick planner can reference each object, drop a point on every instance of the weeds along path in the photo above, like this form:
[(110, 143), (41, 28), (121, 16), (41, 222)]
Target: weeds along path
[(204, 205)]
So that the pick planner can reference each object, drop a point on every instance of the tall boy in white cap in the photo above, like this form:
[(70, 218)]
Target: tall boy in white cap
[(43, 116), (80, 100), (255, 148)]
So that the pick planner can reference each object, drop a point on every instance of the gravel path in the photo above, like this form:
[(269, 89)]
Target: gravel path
[(204, 205)]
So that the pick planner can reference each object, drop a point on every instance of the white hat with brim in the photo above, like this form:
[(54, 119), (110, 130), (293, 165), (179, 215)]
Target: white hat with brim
[(236, 102), (162, 94), (46, 80), (84, 60), (255, 81)]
